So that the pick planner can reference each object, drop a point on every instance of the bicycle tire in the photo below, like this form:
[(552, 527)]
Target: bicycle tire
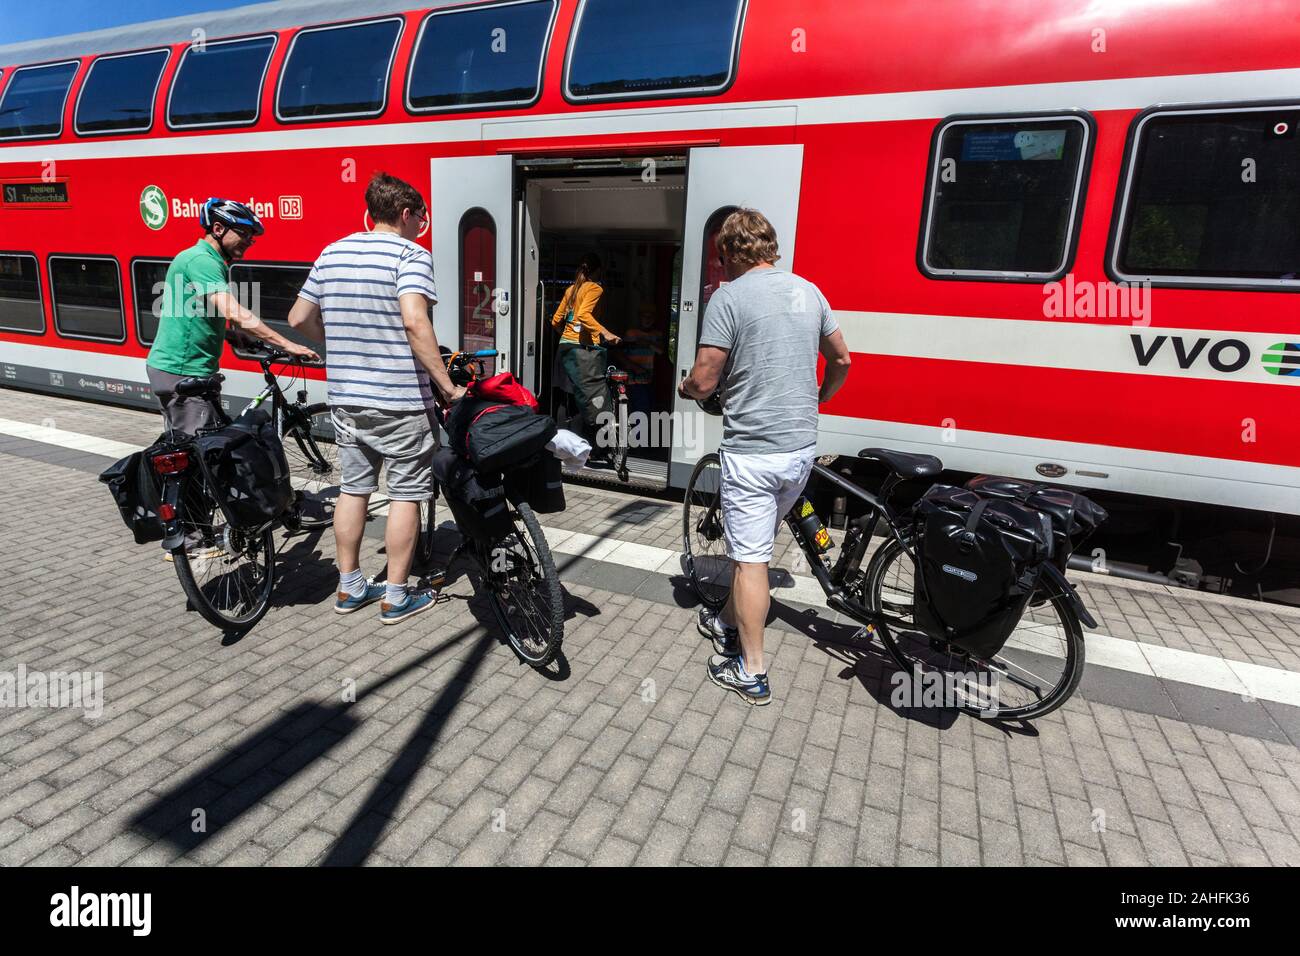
[(1072, 673), (705, 570), (424, 539), (553, 595), (201, 602), (620, 451), (310, 464)]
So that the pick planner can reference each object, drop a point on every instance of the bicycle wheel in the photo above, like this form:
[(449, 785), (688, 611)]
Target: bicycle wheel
[(424, 543), (1034, 673), (525, 589), (227, 573), (707, 566), (313, 462), (619, 456)]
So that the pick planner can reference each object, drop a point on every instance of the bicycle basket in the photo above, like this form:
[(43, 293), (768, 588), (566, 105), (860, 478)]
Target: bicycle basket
[(477, 502), (1074, 516), (245, 466), (980, 560), (135, 490)]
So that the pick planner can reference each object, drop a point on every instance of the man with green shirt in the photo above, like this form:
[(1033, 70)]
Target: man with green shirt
[(196, 305)]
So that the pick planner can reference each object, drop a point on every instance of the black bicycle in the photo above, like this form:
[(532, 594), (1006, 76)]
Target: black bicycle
[(1034, 672), (228, 571), (516, 566)]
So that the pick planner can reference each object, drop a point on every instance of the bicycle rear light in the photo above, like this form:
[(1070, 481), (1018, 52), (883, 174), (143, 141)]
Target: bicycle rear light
[(166, 511), (171, 463)]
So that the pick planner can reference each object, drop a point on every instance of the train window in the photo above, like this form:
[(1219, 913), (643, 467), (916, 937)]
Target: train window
[(220, 83), (118, 93), (148, 279), (1005, 197), (20, 294), (338, 71), (33, 100), (478, 277), (712, 275), (87, 296), (479, 57), (673, 47), (270, 291), (1212, 198)]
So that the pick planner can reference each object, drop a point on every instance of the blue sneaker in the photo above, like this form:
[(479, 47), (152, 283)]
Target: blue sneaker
[(752, 688), (726, 640), (415, 603), (345, 603)]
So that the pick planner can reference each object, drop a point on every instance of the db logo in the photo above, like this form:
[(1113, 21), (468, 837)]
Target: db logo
[(290, 207), (369, 226)]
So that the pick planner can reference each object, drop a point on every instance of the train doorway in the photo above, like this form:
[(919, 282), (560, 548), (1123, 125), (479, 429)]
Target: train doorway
[(628, 212)]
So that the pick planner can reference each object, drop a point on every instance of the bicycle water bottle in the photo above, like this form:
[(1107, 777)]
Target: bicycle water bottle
[(814, 531)]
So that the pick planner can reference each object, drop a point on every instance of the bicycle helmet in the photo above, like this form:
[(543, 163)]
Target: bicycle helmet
[(713, 404), (230, 213)]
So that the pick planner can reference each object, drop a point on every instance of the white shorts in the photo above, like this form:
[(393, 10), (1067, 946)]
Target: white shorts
[(757, 492)]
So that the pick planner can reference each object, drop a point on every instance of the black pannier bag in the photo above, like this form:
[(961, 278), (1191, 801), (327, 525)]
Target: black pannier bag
[(493, 436), (1074, 516), (136, 490), (540, 484), (980, 560), (246, 468), (477, 501)]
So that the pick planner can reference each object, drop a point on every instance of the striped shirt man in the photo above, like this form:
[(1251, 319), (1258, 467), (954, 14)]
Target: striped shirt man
[(356, 282)]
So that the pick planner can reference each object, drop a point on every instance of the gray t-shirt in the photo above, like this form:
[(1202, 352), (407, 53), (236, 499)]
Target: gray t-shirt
[(772, 322)]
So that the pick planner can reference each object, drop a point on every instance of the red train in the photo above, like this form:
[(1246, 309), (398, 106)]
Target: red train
[(1062, 238)]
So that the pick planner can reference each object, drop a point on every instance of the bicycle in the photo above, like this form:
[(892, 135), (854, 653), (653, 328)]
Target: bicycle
[(522, 582), (228, 572), (1034, 673)]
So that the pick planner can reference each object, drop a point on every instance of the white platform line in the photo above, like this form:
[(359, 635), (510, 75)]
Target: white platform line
[(1251, 681)]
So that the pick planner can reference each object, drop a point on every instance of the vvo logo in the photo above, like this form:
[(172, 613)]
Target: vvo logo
[(1221, 355)]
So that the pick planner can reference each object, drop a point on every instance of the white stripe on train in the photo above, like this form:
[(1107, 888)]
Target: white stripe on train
[(1130, 93)]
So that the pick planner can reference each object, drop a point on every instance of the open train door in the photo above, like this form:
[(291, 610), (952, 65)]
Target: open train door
[(719, 179), (470, 234)]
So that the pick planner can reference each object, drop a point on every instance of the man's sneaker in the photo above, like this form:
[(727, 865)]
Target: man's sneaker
[(345, 603), (725, 672), (415, 602), (726, 640)]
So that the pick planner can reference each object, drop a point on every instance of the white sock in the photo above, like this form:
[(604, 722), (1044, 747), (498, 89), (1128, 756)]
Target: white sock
[(353, 582), (743, 672), (395, 593)]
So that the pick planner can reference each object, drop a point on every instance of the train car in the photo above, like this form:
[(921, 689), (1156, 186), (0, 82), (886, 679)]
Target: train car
[(1060, 237)]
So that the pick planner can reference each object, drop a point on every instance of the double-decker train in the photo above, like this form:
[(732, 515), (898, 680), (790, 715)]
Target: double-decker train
[(1061, 236)]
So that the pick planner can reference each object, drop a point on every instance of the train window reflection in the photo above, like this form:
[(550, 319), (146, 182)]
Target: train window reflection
[(1213, 198), (87, 296), (20, 294), (1005, 196), (270, 291), (148, 279), (33, 100), (481, 56), (118, 93), (338, 71), (676, 47), (220, 83)]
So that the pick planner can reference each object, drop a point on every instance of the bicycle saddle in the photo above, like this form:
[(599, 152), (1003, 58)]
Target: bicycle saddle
[(904, 464), (192, 386)]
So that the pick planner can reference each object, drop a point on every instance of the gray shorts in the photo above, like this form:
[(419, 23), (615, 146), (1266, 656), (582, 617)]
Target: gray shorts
[(401, 442), (181, 413)]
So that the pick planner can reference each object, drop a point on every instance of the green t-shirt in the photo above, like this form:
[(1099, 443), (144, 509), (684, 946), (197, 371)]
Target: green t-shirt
[(190, 331)]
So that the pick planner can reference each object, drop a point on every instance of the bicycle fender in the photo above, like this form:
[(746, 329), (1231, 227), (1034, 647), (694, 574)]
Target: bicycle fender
[(1053, 572)]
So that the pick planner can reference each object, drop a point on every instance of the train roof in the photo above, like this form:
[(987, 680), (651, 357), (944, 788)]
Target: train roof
[(250, 18)]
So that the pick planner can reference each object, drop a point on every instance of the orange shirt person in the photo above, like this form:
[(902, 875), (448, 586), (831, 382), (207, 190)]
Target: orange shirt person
[(581, 335)]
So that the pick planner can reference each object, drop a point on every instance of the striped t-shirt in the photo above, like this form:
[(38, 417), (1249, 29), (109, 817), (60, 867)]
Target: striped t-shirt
[(357, 282)]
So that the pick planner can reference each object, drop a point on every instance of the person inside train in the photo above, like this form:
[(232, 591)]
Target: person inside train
[(196, 306), (580, 354), (761, 335), (369, 295), (643, 348)]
